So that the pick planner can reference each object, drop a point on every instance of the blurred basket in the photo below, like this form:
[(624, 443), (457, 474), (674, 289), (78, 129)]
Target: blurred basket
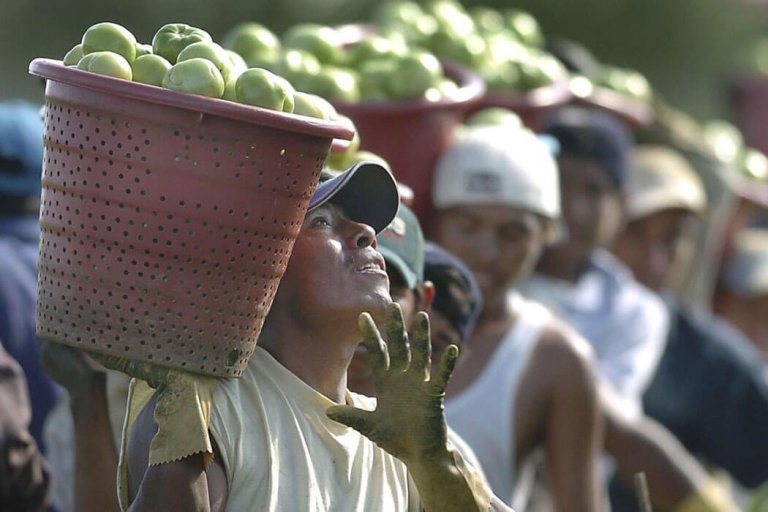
[(167, 219), (532, 106), (636, 114), (411, 134)]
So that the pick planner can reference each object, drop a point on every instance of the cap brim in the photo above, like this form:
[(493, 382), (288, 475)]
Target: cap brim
[(366, 191), (395, 261)]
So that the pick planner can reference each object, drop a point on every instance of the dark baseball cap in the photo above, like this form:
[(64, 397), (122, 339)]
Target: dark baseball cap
[(366, 191), (402, 245)]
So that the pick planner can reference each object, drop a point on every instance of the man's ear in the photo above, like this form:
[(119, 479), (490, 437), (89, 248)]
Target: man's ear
[(427, 296)]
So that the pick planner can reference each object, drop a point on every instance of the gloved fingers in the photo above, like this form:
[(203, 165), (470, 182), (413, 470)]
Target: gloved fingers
[(376, 347), (445, 370), (397, 339), (421, 347), (358, 419)]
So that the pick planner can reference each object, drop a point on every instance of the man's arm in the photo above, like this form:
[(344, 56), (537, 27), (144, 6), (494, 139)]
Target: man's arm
[(573, 426), (674, 476), (183, 485)]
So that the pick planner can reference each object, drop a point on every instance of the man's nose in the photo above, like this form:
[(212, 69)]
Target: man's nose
[(362, 236)]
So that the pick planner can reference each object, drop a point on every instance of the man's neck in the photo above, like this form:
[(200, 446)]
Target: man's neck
[(558, 264), (318, 354)]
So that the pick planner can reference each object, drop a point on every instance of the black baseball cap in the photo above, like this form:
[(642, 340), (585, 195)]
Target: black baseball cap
[(367, 192)]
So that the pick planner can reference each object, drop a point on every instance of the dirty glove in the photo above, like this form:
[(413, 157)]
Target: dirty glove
[(409, 421)]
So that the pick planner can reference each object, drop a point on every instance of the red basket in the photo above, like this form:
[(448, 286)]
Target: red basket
[(411, 134), (532, 106), (167, 219), (636, 114)]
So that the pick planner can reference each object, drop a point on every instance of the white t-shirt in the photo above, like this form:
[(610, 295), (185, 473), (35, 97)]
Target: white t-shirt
[(280, 451)]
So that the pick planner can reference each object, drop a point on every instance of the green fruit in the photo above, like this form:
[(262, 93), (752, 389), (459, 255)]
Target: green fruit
[(494, 116), (397, 12), (236, 63), (143, 49), (525, 27), (255, 43), (108, 64), (195, 76), (416, 73), (487, 20), (73, 56), (297, 63), (374, 47), (110, 37), (312, 105), (322, 42), (265, 89), (174, 37), (85, 62), (331, 83), (375, 79), (207, 50), (150, 69)]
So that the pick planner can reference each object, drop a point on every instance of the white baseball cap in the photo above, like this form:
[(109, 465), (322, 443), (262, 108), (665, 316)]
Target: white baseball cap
[(498, 165)]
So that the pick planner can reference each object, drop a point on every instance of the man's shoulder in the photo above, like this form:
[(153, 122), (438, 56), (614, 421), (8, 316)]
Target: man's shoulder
[(628, 297), (562, 347)]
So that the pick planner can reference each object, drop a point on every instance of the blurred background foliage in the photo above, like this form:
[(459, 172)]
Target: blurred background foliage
[(691, 50)]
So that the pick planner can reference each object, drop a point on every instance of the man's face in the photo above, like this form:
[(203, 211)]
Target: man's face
[(592, 206), (334, 270), (654, 247), (500, 244)]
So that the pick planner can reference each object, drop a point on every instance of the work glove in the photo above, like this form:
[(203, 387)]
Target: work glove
[(409, 420)]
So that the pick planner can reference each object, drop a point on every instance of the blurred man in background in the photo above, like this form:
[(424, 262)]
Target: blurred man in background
[(21, 157), (579, 279), (707, 390)]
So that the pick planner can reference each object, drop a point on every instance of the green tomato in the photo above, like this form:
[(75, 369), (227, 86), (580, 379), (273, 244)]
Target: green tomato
[(73, 56), (375, 79), (397, 12), (109, 37), (85, 62), (312, 105), (487, 20), (374, 47), (109, 64), (207, 50), (236, 63), (416, 73), (331, 83), (321, 41), (150, 69), (143, 49), (262, 88), (195, 76), (255, 43), (297, 63), (494, 116), (174, 37), (525, 27)]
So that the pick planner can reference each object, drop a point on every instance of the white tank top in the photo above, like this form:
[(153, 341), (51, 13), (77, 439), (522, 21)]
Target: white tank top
[(483, 413)]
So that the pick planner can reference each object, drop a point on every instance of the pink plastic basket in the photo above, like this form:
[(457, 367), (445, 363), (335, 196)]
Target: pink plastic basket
[(532, 106), (411, 134), (167, 219)]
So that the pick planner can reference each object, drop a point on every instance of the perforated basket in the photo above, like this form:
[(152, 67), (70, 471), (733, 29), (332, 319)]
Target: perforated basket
[(167, 219)]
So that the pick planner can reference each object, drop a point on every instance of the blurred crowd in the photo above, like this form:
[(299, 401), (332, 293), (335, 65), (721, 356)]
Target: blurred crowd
[(607, 285)]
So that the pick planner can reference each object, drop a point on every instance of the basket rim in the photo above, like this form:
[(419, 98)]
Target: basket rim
[(51, 69), (552, 95)]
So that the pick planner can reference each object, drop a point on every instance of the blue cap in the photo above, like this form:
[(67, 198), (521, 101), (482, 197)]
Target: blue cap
[(366, 191), (21, 149)]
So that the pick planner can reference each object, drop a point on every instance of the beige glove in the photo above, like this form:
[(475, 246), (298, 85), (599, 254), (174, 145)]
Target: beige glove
[(711, 497), (409, 422)]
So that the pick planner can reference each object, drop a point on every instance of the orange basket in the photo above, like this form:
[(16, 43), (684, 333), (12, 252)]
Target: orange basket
[(167, 219), (411, 134)]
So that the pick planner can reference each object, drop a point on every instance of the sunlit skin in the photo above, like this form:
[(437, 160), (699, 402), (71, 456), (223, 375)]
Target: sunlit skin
[(658, 247), (593, 211), (498, 243)]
